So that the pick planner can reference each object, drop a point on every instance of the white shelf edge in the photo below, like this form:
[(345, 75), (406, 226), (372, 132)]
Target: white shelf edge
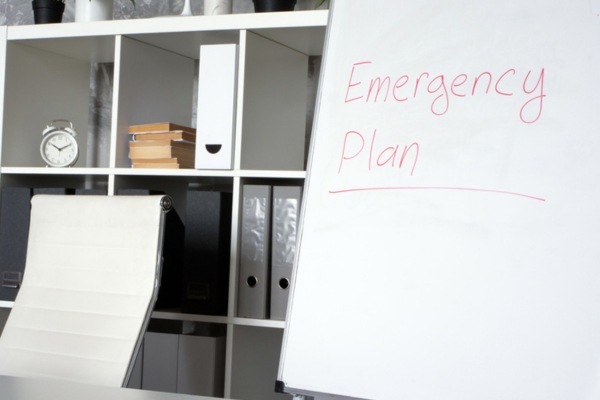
[(6, 304), (154, 172), (271, 174), (210, 173), (170, 172), (177, 316), (173, 24), (54, 171), (263, 323)]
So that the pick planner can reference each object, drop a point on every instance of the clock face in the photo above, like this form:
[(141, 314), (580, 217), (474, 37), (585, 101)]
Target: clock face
[(59, 149)]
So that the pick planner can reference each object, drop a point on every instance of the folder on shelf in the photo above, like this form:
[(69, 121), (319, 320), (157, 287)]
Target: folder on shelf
[(215, 116), (14, 232), (159, 370), (181, 358), (253, 283), (169, 294), (207, 250), (286, 207), (201, 365)]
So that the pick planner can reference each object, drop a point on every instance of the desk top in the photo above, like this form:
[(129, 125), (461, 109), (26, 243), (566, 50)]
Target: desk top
[(16, 388)]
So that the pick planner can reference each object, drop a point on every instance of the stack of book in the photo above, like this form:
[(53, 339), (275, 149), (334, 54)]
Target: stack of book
[(162, 145)]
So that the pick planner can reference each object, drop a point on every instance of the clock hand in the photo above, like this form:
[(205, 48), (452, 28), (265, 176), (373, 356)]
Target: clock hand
[(57, 148), (65, 146)]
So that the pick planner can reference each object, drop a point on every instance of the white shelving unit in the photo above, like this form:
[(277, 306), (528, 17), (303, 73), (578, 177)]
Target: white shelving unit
[(46, 76)]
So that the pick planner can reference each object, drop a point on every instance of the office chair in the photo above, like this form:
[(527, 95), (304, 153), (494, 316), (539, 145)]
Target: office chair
[(90, 283)]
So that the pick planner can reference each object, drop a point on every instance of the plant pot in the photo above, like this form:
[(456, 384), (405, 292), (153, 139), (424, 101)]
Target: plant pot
[(47, 11), (95, 10), (274, 5)]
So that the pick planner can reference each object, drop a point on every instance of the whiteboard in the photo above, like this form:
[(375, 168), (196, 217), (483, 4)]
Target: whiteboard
[(450, 238)]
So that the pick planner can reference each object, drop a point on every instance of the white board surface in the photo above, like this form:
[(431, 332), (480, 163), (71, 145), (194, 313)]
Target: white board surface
[(450, 238)]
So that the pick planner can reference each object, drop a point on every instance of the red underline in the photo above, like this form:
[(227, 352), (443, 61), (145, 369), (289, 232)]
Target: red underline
[(369, 189)]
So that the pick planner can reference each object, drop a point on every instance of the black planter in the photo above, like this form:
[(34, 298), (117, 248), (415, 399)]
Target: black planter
[(47, 11), (274, 5)]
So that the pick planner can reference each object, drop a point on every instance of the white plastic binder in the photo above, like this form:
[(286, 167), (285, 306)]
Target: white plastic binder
[(284, 237), (253, 283), (215, 123)]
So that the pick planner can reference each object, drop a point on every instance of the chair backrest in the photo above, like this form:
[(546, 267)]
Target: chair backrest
[(90, 283)]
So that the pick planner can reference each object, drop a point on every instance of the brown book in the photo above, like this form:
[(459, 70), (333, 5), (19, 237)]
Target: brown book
[(182, 155), (160, 127), (172, 163), (173, 135), (155, 160), (163, 143), (159, 165)]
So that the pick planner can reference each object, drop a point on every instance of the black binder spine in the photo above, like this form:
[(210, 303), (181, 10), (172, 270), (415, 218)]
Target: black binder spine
[(207, 250)]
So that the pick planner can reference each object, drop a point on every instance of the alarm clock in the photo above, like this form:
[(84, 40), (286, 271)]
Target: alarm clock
[(59, 144)]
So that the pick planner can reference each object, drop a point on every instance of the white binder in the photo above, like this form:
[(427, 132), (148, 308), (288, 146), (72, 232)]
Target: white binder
[(215, 117), (286, 207), (253, 284)]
